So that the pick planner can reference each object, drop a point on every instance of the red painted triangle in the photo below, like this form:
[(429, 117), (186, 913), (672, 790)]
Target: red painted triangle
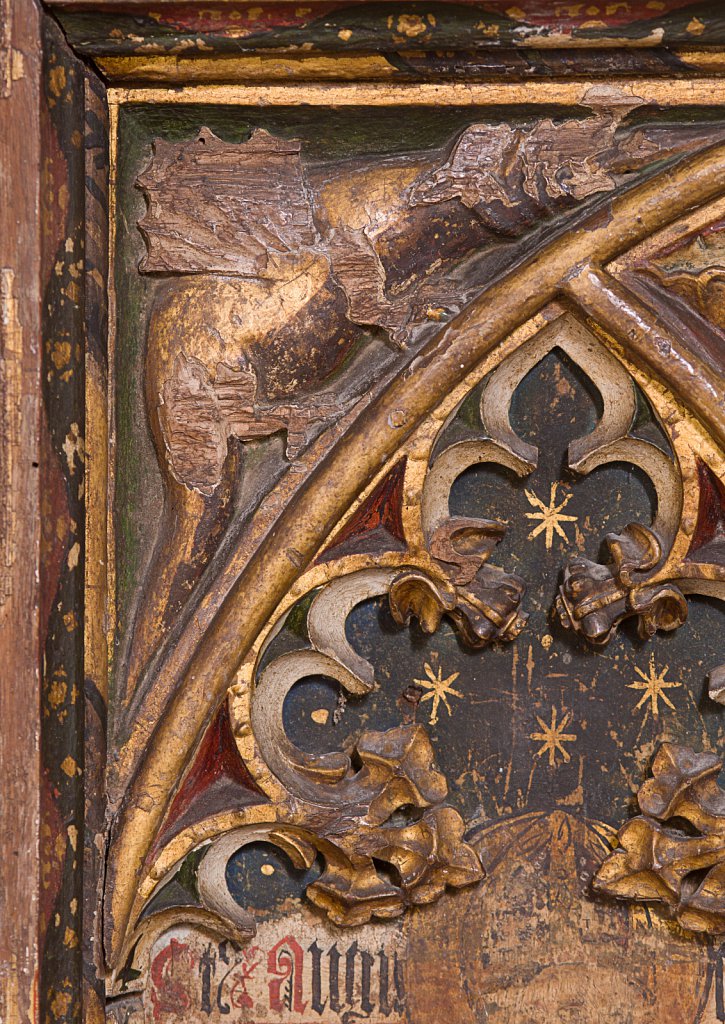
[(377, 524), (711, 512), (218, 780)]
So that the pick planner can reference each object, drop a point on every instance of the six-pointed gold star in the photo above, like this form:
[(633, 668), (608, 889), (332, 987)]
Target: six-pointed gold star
[(553, 737), (653, 683), (440, 690), (551, 516)]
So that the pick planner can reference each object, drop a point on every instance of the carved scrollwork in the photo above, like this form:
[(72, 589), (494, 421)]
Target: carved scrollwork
[(593, 599), (674, 852), (482, 601), (649, 577), (394, 806)]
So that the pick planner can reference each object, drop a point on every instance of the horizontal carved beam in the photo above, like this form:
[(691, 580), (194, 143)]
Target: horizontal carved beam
[(621, 91)]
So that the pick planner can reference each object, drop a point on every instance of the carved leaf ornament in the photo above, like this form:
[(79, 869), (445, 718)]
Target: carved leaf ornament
[(673, 853), (481, 600), (376, 814)]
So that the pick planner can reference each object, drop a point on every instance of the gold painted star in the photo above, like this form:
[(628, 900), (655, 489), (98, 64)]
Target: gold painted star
[(653, 684), (553, 737), (550, 515), (440, 690)]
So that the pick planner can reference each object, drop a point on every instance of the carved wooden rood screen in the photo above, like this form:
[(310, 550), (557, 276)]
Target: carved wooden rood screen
[(382, 546)]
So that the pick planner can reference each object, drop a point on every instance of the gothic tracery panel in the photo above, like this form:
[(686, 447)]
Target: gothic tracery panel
[(418, 553)]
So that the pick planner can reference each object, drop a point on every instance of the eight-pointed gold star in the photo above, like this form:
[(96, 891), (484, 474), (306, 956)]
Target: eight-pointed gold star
[(653, 684), (440, 690), (550, 515), (553, 737)]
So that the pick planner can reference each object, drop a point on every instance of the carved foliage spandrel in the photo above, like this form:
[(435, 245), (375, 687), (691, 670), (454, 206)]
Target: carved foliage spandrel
[(674, 852), (199, 415), (254, 209), (199, 220), (257, 244)]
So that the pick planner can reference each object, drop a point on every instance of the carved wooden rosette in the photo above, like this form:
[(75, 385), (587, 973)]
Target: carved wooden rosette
[(674, 852), (383, 802)]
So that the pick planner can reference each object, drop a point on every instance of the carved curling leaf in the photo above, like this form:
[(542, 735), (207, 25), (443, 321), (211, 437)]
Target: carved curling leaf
[(482, 601), (427, 852), (398, 768), (644, 581), (594, 598), (674, 852)]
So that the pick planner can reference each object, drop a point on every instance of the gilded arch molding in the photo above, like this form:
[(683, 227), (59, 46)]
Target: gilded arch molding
[(568, 266)]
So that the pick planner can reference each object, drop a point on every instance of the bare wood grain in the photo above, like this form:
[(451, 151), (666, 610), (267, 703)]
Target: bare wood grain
[(220, 194), (19, 523)]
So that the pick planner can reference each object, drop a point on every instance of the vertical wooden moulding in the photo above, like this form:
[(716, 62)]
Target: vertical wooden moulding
[(62, 704), (19, 530), (95, 651)]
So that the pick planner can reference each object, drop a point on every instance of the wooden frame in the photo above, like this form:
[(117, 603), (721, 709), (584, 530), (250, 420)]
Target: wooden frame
[(56, 598)]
